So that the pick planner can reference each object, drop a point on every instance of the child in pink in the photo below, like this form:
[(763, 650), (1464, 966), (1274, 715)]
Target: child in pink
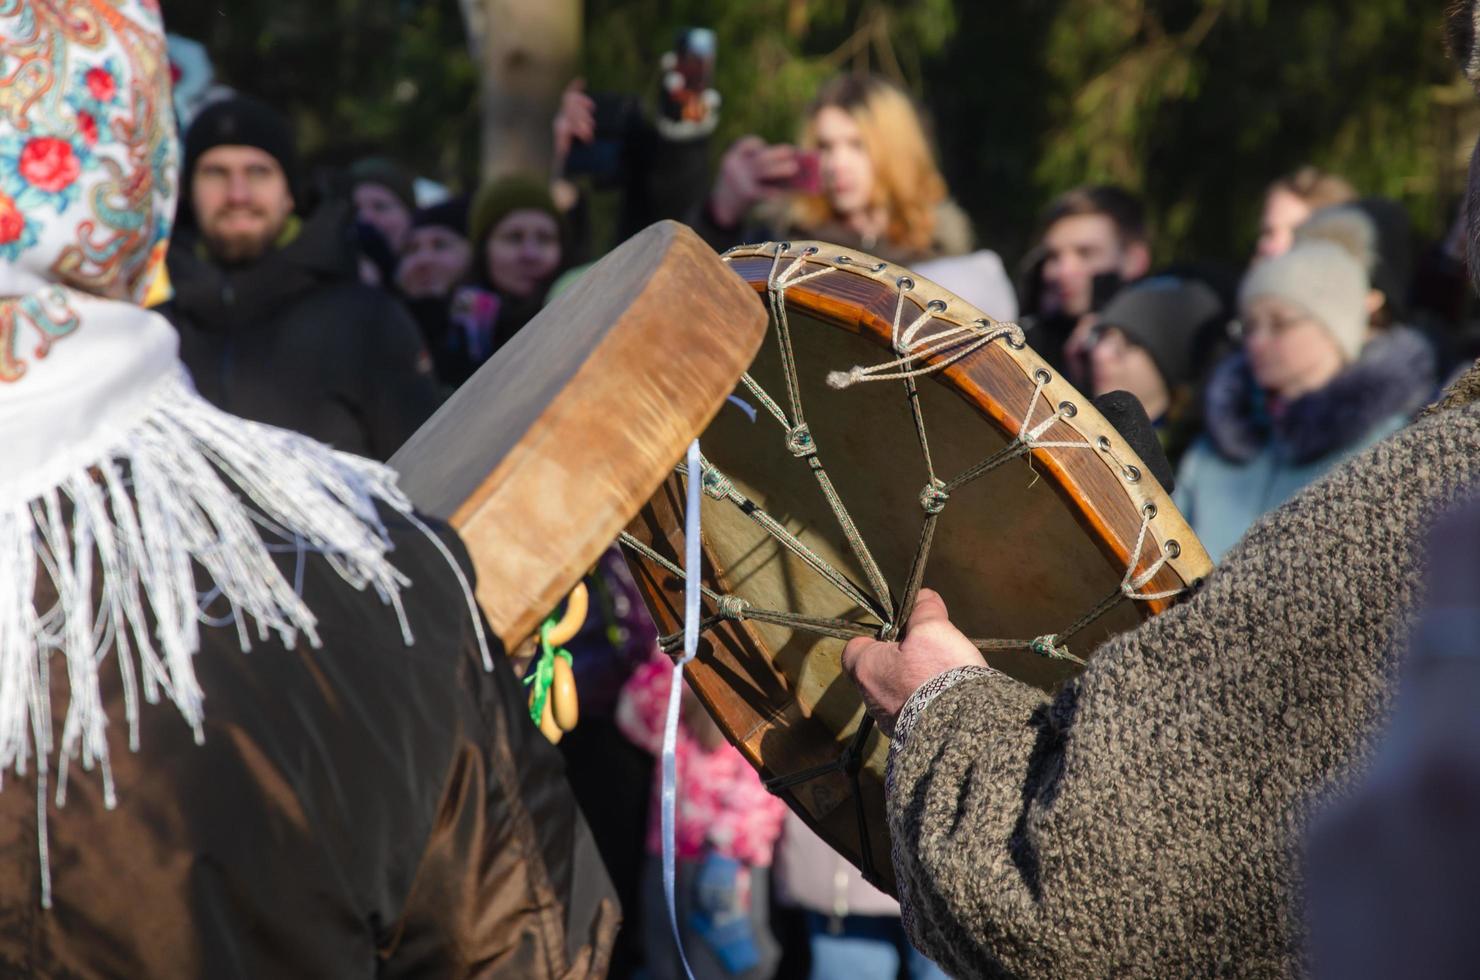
[(726, 828)]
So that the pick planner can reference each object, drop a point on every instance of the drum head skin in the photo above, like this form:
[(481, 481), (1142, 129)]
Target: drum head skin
[(545, 454), (1036, 548)]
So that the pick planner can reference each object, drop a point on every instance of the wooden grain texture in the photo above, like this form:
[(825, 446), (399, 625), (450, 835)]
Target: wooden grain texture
[(1023, 552), (543, 456)]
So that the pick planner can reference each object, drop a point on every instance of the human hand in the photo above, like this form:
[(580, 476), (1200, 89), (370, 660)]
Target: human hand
[(751, 171), (575, 120), (888, 673)]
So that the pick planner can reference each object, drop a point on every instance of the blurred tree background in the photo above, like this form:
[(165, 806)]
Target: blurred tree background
[(1197, 104)]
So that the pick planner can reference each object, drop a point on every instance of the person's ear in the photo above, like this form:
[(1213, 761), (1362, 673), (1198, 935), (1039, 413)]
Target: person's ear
[(1135, 262), (1376, 299), (1460, 30)]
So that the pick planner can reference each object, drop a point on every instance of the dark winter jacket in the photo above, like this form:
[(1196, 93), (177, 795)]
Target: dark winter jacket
[(295, 340), (364, 809), (1247, 464), (1146, 821)]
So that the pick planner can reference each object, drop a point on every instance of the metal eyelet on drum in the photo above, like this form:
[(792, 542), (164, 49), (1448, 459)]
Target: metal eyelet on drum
[(936, 306), (1102, 444), (811, 250), (1042, 377), (905, 284), (1131, 474), (1068, 409), (1172, 549), (1149, 511)]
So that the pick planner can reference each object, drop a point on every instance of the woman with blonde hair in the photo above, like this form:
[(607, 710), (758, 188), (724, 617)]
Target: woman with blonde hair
[(863, 175), (1291, 200)]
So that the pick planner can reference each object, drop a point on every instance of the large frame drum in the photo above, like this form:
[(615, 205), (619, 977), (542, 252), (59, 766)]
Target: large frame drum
[(887, 435)]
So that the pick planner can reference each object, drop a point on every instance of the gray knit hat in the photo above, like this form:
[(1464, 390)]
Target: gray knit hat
[(1323, 279)]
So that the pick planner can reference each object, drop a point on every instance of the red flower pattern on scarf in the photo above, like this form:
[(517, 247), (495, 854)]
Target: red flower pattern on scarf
[(11, 222), (87, 124), (102, 85), (49, 164)]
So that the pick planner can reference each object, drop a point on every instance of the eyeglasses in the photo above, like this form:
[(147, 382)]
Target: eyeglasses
[(1277, 326)]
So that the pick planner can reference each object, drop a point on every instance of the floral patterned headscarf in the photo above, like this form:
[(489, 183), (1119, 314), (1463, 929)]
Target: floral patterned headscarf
[(88, 152), (118, 483)]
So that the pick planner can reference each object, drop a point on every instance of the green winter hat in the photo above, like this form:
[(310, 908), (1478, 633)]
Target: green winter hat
[(379, 170), (497, 200)]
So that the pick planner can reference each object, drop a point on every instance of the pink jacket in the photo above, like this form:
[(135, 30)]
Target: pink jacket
[(722, 805)]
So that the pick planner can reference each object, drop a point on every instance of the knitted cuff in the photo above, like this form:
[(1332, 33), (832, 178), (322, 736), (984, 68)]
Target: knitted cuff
[(908, 716), (928, 692)]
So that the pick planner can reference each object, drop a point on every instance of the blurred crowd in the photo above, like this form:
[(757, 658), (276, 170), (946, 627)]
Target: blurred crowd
[(349, 304)]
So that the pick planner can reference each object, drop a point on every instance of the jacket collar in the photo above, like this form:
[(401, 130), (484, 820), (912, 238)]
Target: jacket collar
[(1393, 376), (215, 298)]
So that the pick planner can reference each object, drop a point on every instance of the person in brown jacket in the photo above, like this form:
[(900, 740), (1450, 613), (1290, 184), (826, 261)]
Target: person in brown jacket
[(1147, 820), (362, 794)]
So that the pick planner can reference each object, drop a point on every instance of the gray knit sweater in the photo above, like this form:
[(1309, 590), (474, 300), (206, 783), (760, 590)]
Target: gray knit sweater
[(1147, 821)]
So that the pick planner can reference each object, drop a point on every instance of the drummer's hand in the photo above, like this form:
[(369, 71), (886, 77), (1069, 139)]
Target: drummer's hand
[(888, 673)]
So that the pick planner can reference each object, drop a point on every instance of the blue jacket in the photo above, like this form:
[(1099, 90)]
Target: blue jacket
[(1246, 464)]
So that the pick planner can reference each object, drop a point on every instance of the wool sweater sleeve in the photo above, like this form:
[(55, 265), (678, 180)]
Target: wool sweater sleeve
[(1147, 820), (967, 752)]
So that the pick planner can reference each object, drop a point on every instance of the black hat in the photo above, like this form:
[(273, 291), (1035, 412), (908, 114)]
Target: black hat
[(1168, 315), (451, 214), (241, 121), (386, 173)]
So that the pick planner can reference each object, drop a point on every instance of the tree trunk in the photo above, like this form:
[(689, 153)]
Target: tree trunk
[(526, 52)]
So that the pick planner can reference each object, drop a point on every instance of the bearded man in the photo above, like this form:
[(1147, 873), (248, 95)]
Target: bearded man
[(362, 795), (274, 323)]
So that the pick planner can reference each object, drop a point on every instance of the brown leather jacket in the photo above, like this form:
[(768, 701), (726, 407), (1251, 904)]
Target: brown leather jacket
[(364, 809)]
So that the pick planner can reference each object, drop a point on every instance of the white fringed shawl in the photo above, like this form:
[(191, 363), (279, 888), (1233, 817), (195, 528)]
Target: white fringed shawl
[(128, 491)]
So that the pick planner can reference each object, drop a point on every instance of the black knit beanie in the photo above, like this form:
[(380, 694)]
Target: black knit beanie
[(451, 214), (1168, 316), (379, 170), (242, 121)]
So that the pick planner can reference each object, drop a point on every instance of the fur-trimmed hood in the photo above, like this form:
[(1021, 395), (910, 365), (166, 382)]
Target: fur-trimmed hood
[(1395, 375)]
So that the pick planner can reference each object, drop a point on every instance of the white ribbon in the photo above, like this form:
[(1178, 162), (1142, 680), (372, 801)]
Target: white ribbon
[(692, 577)]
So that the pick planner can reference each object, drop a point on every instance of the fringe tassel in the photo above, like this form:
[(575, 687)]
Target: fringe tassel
[(160, 505)]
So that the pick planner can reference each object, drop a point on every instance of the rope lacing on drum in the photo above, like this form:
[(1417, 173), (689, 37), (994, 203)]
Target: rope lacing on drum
[(789, 270), (914, 350)]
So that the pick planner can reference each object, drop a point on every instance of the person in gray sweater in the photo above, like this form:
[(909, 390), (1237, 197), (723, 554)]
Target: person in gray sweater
[(1146, 820)]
